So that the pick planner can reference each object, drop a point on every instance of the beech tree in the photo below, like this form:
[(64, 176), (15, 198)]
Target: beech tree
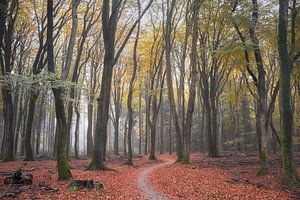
[(64, 172), (109, 26), (286, 61)]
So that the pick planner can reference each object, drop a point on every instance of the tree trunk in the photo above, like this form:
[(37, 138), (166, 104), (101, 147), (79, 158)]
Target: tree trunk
[(109, 27), (8, 150), (69, 121), (290, 172), (140, 122), (6, 37), (64, 172), (161, 131), (89, 138), (170, 136), (76, 143), (147, 98), (130, 92), (125, 139), (30, 118), (42, 116), (175, 120), (153, 128), (261, 120), (109, 30), (192, 90), (19, 122)]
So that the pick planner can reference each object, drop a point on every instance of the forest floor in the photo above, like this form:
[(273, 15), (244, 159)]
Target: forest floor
[(230, 177)]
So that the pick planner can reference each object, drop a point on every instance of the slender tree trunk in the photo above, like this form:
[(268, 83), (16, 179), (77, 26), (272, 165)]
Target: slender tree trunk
[(125, 139), (109, 30), (220, 129), (170, 136), (71, 44), (192, 89), (168, 36), (161, 117), (42, 116), (290, 173), (140, 122), (147, 98), (76, 143), (22, 142), (130, 92), (116, 133), (30, 119), (153, 128), (69, 121), (90, 128), (102, 113), (19, 122), (62, 130)]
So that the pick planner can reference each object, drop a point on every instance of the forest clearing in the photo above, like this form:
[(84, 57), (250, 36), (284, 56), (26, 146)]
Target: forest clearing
[(150, 99)]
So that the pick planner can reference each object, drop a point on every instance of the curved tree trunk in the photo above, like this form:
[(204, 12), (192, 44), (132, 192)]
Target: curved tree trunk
[(261, 115), (175, 120), (64, 172), (130, 92)]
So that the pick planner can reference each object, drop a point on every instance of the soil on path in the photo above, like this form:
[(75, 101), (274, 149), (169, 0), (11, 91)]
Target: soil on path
[(143, 183)]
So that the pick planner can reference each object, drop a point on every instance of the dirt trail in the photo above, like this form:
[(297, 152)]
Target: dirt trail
[(146, 187)]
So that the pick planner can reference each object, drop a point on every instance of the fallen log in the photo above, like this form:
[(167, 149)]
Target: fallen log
[(88, 184), (82, 184), (13, 192), (19, 177)]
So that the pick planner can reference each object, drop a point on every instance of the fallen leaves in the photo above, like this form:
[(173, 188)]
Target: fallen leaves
[(119, 184), (220, 178), (210, 179)]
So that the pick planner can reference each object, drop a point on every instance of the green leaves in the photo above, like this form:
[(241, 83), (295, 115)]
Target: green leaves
[(42, 81)]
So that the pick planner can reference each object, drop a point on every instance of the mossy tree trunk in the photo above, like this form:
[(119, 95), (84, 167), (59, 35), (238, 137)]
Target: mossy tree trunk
[(62, 131), (290, 173), (261, 112), (64, 172)]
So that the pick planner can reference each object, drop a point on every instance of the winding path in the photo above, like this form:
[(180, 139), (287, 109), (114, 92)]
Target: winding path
[(150, 192)]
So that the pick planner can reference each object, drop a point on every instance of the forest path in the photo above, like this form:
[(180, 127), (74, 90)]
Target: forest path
[(150, 192)]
